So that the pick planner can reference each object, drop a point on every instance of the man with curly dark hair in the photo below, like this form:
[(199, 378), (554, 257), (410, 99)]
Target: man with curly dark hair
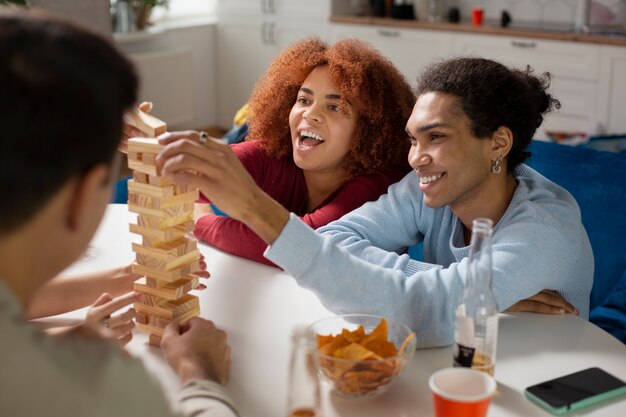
[(468, 130), (325, 136)]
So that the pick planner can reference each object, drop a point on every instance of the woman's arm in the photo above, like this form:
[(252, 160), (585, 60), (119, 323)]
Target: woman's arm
[(66, 293), (234, 237)]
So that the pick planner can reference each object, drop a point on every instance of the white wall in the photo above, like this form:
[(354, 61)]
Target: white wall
[(178, 71)]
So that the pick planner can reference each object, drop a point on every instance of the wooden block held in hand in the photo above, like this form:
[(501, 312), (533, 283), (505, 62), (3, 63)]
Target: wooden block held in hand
[(145, 122), (144, 145)]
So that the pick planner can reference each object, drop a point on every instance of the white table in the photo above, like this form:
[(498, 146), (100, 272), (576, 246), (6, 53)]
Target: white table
[(258, 306)]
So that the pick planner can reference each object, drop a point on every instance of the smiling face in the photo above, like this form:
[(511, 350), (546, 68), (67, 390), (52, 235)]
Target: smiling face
[(321, 131), (454, 166)]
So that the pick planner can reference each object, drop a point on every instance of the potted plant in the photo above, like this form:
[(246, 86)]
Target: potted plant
[(143, 10)]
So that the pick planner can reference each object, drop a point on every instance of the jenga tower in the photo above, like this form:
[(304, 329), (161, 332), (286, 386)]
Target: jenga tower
[(166, 258)]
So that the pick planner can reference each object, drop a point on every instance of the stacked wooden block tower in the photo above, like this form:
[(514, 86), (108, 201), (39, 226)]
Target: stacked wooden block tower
[(166, 257)]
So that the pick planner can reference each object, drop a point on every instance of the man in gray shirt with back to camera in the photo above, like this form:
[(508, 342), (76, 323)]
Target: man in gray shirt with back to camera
[(57, 82)]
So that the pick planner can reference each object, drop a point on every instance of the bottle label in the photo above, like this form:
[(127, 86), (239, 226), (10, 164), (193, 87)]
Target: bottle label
[(464, 347), (463, 355)]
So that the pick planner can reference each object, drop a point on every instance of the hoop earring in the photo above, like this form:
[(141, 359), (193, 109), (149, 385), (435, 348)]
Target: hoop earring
[(495, 166)]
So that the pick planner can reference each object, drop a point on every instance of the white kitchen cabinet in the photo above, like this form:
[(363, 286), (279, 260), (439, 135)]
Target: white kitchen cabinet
[(578, 70), (613, 88), (250, 34), (243, 53), (574, 67), (566, 59), (410, 50)]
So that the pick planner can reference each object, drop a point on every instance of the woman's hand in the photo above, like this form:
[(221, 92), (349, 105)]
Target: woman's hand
[(202, 273), (101, 321), (544, 302), (213, 168)]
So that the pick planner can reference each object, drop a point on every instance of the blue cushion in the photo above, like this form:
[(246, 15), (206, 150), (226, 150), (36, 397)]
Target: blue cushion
[(217, 211), (611, 316), (120, 193), (597, 180)]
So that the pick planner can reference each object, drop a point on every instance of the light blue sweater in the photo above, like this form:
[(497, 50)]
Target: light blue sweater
[(354, 264)]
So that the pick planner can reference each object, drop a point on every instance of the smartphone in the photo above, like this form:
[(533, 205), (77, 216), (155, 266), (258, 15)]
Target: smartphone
[(575, 391)]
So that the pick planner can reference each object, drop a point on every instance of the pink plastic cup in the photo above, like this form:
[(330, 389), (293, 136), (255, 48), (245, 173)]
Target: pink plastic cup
[(461, 392)]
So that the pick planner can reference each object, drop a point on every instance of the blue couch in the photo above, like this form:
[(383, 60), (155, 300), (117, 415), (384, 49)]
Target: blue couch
[(597, 180)]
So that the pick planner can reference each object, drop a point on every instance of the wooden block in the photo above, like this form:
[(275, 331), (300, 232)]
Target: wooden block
[(154, 237), (152, 300), (154, 340), (168, 251), (178, 199), (157, 324), (169, 276), (164, 265), (163, 223), (151, 190), (183, 252), (170, 291), (142, 200), (133, 156), (148, 158), (141, 157), (142, 167), (141, 318), (177, 211), (160, 181), (140, 177), (170, 309), (145, 122), (154, 283), (159, 202)]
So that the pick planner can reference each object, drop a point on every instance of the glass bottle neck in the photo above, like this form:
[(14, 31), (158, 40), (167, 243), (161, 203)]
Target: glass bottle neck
[(479, 272)]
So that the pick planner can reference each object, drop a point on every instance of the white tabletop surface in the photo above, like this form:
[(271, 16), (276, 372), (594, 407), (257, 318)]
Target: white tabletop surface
[(258, 306)]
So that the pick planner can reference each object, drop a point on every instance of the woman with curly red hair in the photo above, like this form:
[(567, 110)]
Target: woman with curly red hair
[(326, 135)]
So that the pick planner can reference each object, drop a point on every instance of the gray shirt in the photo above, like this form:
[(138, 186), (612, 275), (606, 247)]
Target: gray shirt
[(42, 375)]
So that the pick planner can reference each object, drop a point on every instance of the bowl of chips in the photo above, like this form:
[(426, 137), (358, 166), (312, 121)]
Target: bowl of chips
[(360, 355)]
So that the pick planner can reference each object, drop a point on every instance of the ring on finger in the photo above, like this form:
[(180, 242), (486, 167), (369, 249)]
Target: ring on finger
[(203, 137)]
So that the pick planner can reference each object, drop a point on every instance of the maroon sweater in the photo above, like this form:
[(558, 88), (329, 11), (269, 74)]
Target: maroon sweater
[(282, 180)]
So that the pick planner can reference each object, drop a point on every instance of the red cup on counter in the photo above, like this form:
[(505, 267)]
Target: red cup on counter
[(478, 14)]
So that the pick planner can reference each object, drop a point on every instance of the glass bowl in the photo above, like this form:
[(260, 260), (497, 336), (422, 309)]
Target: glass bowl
[(366, 378)]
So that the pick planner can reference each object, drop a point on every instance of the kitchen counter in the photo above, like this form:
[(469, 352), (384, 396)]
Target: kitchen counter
[(489, 28)]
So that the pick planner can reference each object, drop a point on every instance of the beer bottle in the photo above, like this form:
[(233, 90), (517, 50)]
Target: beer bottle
[(304, 388), (476, 333)]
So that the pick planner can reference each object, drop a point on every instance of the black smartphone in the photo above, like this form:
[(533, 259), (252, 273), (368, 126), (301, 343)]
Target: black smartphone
[(575, 391)]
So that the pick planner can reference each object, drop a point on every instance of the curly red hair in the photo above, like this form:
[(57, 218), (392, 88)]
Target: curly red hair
[(367, 81)]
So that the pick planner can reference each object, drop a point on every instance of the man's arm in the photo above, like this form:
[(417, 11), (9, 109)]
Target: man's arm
[(349, 273)]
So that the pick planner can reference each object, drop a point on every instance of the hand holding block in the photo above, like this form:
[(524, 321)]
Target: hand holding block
[(145, 122)]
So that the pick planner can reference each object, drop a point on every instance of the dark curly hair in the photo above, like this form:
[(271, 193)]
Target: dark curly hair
[(367, 80), (492, 95)]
